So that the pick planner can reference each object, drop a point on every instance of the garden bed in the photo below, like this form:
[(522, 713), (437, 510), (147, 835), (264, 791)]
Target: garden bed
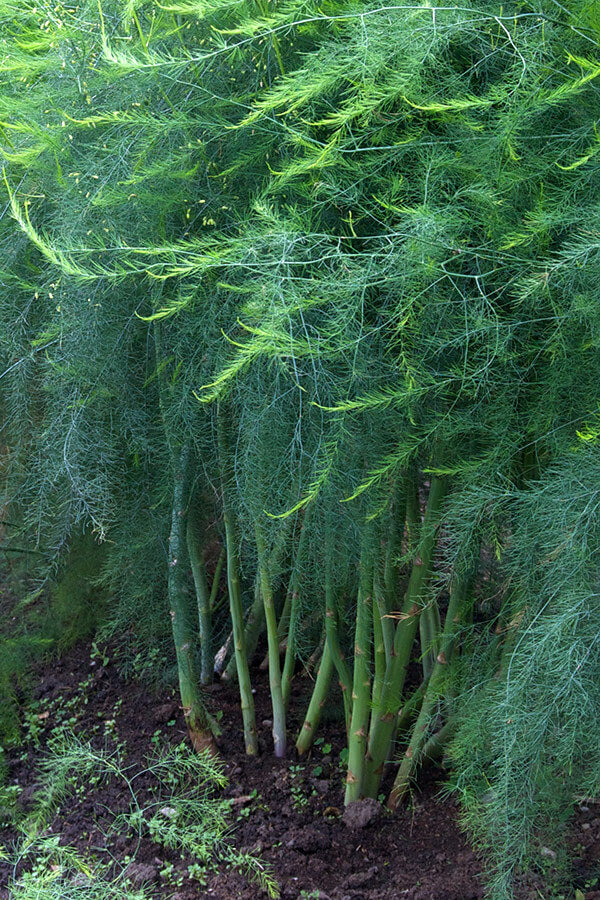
[(289, 812)]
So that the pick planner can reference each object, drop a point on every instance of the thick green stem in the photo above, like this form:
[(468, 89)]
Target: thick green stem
[(361, 687), (254, 627), (183, 614), (194, 545), (290, 649), (317, 702), (434, 747), (429, 626), (275, 559), (385, 589), (235, 600), (315, 657), (333, 638), (414, 751), (255, 620), (385, 719), (212, 600), (410, 707), (284, 619), (239, 643), (427, 630), (294, 589), (413, 514), (381, 599), (279, 735), (394, 544), (380, 656), (339, 661), (200, 726)]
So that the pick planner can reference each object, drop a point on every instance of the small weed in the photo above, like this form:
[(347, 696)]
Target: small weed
[(99, 654), (343, 765), (61, 873), (246, 811), (300, 799), (33, 725), (9, 794), (198, 873), (171, 875), (183, 814), (322, 746), (145, 665)]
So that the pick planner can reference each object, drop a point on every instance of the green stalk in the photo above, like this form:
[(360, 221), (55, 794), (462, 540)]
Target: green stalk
[(237, 619), (290, 650), (427, 626), (255, 620), (385, 719), (279, 735), (275, 560), (429, 632), (394, 544), (415, 747), (212, 600), (254, 627), (294, 594), (317, 702), (385, 590), (434, 747), (235, 599), (413, 514), (183, 615), (194, 546), (380, 657), (202, 729), (315, 657), (361, 687), (333, 638), (382, 598), (339, 661), (410, 707), (284, 619)]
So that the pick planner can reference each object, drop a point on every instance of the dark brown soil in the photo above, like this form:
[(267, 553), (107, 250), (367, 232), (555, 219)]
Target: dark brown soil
[(288, 812)]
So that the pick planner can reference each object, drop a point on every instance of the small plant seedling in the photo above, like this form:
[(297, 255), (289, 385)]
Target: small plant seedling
[(99, 654), (171, 875), (299, 797), (198, 873)]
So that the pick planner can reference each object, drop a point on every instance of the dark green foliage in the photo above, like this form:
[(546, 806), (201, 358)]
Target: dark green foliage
[(531, 723), (44, 622), (76, 606)]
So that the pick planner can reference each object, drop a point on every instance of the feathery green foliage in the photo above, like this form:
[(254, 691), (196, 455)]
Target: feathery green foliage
[(184, 815), (361, 242)]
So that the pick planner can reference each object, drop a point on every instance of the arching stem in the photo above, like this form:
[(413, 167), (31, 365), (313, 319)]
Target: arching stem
[(279, 730), (385, 718), (235, 595)]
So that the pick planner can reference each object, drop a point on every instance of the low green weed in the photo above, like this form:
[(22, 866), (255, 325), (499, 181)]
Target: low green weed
[(61, 873), (181, 813), (9, 812)]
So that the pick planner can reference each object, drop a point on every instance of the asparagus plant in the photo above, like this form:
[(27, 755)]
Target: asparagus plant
[(345, 261)]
